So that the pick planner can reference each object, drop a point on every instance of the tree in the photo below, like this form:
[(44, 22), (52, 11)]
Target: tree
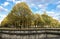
[(54, 23), (20, 15), (38, 22), (47, 19)]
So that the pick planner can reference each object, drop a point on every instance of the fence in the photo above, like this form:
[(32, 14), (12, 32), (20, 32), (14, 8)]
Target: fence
[(42, 33)]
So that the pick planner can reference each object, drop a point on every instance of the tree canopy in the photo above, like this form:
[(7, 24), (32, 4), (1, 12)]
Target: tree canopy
[(21, 16)]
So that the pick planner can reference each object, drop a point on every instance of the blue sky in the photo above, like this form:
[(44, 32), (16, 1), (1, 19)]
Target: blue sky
[(52, 7)]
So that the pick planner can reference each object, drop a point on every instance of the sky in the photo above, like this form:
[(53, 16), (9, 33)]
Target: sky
[(52, 7)]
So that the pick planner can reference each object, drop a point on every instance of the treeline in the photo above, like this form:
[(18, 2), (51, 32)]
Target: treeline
[(22, 17)]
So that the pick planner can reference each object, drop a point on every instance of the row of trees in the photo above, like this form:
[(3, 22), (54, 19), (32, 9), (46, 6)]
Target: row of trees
[(21, 16)]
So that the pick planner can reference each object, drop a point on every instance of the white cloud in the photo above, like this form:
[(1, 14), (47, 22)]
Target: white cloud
[(17, 2), (54, 15), (58, 6), (58, 2), (51, 13), (24, 0), (32, 5), (11, 0), (3, 9), (41, 6), (40, 12), (5, 4)]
